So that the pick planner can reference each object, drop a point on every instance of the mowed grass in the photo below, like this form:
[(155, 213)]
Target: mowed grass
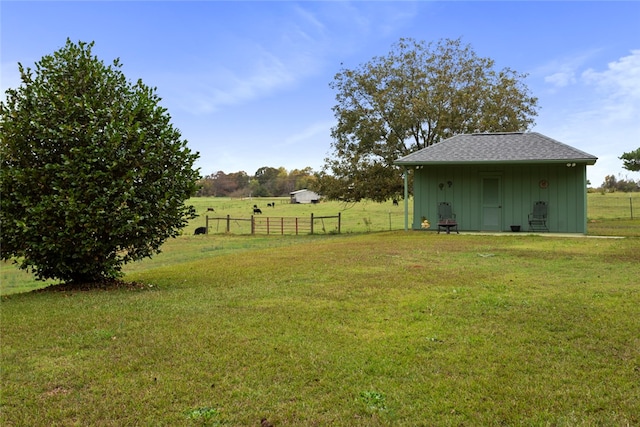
[(604, 213), (357, 329), (613, 205), (366, 216), (360, 329), (608, 214), (613, 214)]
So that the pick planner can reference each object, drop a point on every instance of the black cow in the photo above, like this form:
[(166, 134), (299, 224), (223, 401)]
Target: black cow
[(201, 230), (257, 211), (395, 202), (211, 210)]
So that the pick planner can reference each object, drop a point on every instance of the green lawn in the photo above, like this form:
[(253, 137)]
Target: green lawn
[(365, 329), (608, 214), (613, 206), (604, 215), (369, 327), (365, 216)]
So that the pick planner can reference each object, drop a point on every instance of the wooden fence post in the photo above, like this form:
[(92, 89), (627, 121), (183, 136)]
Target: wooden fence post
[(339, 219), (206, 224), (228, 223), (312, 223), (253, 226)]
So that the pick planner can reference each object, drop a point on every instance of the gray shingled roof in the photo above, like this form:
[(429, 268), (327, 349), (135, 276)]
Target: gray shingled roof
[(516, 147)]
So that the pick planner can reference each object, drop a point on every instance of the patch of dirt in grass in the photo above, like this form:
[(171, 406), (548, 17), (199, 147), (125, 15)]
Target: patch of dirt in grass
[(56, 391), (105, 285), (624, 256)]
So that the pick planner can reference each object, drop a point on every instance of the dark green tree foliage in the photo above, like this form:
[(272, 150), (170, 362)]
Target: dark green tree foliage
[(410, 99), (265, 182), (631, 160), (93, 175)]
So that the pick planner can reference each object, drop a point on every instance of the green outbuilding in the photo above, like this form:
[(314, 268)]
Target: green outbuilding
[(493, 180)]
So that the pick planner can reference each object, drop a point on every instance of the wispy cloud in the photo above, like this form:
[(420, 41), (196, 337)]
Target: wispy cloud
[(311, 132), (605, 120), (564, 72), (561, 78), (618, 88), (249, 67), (621, 78), (303, 41), (264, 74)]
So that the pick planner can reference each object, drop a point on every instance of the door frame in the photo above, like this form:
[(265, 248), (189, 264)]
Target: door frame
[(498, 205)]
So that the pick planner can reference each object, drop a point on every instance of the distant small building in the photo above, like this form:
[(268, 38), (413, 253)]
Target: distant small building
[(304, 196)]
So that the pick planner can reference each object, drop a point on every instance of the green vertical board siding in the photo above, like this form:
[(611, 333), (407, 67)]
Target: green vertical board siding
[(520, 189)]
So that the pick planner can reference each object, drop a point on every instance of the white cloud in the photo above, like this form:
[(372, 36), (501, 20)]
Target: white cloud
[(562, 72), (308, 17), (252, 68), (621, 79), (617, 100), (207, 92), (299, 45), (562, 78), (599, 114), (319, 130)]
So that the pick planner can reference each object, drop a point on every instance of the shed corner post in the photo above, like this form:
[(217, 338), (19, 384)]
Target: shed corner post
[(584, 206), (405, 173)]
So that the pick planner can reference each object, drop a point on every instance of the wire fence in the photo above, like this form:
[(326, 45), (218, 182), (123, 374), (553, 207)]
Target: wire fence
[(610, 206)]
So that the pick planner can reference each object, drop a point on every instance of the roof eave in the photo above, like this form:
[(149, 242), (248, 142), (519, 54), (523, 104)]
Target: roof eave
[(588, 162)]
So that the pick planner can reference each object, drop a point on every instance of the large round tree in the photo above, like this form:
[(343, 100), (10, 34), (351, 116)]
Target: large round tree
[(409, 99), (93, 175)]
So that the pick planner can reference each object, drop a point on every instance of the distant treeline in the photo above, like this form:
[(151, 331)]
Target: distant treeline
[(612, 184), (266, 182), (278, 182)]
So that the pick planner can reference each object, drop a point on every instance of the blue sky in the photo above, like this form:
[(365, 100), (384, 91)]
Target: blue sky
[(247, 83)]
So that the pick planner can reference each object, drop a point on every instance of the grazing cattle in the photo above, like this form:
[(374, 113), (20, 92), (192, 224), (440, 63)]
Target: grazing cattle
[(395, 202), (255, 206), (201, 230), (271, 205), (211, 210), (257, 211)]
